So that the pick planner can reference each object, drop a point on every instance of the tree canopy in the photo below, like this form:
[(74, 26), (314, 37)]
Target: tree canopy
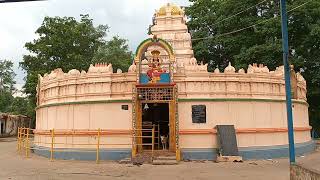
[(63, 42), (67, 43), (116, 51), (9, 103), (246, 31), (6, 85), (6, 76)]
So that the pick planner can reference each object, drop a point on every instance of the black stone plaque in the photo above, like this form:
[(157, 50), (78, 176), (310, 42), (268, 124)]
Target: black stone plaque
[(124, 107), (227, 140), (199, 114)]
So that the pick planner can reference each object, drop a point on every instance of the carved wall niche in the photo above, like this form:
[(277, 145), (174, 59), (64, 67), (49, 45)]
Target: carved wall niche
[(107, 87), (267, 88), (247, 87), (66, 90), (54, 92), (231, 86), (99, 87), (196, 86), (206, 86), (121, 87), (72, 89), (93, 88), (216, 86), (282, 89), (190, 86), (260, 87), (222, 86), (113, 87), (254, 87), (275, 89), (84, 88), (241, 87), (78, 89)]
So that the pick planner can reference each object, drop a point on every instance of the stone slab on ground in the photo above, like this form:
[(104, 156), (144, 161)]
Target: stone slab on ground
[(229, 159), (125, 161)]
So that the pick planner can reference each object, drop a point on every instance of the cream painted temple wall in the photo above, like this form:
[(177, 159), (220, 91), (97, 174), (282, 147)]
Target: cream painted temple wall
[(163, 88)]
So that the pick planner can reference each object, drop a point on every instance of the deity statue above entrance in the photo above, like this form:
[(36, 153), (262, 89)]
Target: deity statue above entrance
[(155, 70)]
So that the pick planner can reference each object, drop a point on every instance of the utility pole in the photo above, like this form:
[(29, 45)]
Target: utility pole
[(285, 46)]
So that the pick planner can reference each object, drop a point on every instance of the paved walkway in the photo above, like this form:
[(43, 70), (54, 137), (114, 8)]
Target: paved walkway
[(16, 167)]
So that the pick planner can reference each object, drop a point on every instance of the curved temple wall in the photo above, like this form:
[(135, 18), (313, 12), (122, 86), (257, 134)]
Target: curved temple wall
[(253, 102)]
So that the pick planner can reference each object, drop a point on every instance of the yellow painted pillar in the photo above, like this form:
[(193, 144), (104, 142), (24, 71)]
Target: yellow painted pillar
[(172, 127), (152, 141), (139, 128), (27, 142), (23, 138), (134, 146), (52, 143), (178, 154), (18, 140), (98, 146)]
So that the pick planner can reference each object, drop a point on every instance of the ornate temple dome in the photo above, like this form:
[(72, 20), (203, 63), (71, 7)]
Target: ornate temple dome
[(169, 9)]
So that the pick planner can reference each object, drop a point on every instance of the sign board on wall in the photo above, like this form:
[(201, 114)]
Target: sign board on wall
[(199, 114)]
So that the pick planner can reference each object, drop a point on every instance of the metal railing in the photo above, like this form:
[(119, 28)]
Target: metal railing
[(26, 141), (138, 137)]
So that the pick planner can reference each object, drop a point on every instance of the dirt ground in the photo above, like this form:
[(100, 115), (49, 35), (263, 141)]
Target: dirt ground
[(16, 167)]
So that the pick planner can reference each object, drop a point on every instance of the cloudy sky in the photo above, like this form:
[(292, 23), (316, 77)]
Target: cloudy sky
[(127, 18)]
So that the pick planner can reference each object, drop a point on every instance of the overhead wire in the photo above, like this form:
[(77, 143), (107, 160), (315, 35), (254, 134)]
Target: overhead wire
[(238, 30), (239, 12)]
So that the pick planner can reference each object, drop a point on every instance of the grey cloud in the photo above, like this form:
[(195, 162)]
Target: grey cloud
[(127, 18)]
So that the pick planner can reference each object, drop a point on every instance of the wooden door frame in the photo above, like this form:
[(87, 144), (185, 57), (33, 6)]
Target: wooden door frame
[(173, 123)]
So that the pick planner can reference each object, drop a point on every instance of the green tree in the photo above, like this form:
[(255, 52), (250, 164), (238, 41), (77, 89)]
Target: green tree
[(254, 35), (260, 44), (6, 99), (6, 76), (116, 51), (6, 85), (63, 42), (20, 105)]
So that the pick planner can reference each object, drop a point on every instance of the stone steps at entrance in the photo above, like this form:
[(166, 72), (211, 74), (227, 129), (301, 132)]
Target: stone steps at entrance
[(159, 158), (165, 160)]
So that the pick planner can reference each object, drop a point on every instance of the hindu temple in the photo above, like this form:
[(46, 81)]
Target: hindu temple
[(168, 91)]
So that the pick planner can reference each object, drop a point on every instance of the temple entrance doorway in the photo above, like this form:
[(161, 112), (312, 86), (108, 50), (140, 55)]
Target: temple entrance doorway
[(156, 115), (155, 121), (154, 101)]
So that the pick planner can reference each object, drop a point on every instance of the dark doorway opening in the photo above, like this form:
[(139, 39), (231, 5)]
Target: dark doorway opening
[(2, 128), (156, 115)]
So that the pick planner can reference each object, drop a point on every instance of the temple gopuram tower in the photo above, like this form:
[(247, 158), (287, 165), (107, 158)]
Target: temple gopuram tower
[(169, 23)]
